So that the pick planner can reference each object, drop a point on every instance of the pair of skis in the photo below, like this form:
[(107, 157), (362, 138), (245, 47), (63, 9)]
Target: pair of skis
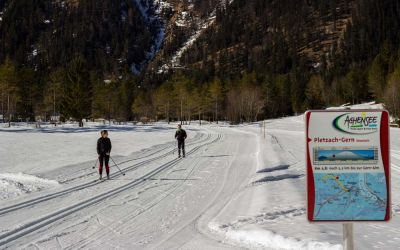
[(115, 164)]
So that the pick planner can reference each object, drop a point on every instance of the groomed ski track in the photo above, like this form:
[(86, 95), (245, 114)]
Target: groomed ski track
[(151, 180), (94, 182), (27, 228)]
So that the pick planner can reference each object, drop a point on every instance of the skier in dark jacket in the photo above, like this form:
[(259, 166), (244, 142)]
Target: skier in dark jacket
[(181, 136), (104, 150)]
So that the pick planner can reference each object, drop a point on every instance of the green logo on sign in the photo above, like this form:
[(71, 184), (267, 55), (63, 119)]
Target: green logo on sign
[(356, 123)]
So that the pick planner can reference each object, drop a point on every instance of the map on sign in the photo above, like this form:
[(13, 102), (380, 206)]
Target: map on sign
[(342, 195)]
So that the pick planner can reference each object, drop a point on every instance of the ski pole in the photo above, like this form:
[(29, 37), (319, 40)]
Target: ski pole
[(117, 166), (95, 163)]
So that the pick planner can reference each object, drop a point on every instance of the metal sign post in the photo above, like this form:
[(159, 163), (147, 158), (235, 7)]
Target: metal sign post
[(264, 128), (348, 237)]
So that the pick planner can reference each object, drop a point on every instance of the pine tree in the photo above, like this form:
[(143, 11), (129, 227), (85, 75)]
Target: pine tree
[(162, 101), (377, 77), (77, 91), (8, 89), (53, 93), (31, 94), (142, 107), (315, 96), (125, 97), (392, 93), (181, 95), (215, 90)]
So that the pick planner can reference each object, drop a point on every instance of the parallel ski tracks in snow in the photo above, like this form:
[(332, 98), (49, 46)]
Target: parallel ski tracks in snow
[(150, 203), (193, 141), (36, 224), (88, 184)]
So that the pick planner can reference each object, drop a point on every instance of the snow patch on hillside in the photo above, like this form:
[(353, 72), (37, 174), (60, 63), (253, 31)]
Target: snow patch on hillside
[(201, 24), (161, 5), (183, 21), (13, 185), (175, 59), (151, 11)]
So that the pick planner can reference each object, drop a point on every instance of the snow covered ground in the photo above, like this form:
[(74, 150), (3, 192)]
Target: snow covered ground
[(26, 149), (235, 190)]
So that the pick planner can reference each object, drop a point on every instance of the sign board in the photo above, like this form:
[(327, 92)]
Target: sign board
[(348, 165)]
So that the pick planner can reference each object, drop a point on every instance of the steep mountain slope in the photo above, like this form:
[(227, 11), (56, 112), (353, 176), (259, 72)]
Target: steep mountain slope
[(250, 35), (278, 35), (187, 20), (111, 35)]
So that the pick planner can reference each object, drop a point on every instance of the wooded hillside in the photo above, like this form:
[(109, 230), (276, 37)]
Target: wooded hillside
[(250, 59)]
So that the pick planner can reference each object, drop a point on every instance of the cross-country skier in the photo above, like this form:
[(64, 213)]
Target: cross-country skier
[(104, 150), (181, 136)]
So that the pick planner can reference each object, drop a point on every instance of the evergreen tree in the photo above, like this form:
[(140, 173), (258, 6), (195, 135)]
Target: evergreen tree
[(392, 93), (53, 93), (162, 101), (377, 77), (31, 94), (9, 90), (181, 96), (142, 107), (124, 98), (76, 91), (215, 90), (315, 96), (101, 102)]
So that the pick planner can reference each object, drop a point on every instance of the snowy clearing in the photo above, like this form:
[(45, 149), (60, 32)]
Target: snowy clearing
[(39, 150), (234, 190)]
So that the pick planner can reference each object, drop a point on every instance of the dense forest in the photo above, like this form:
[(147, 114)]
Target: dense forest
[(41, 42), (258, 59), (299, 54)]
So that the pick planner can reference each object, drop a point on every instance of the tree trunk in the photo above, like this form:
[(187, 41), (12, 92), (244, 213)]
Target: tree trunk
[(181, 118), (168, 113), (8, 110), (2, 108), (216, 110)]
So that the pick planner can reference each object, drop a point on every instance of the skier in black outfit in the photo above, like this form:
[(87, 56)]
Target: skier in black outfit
[(104, 150), (181, 136)]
